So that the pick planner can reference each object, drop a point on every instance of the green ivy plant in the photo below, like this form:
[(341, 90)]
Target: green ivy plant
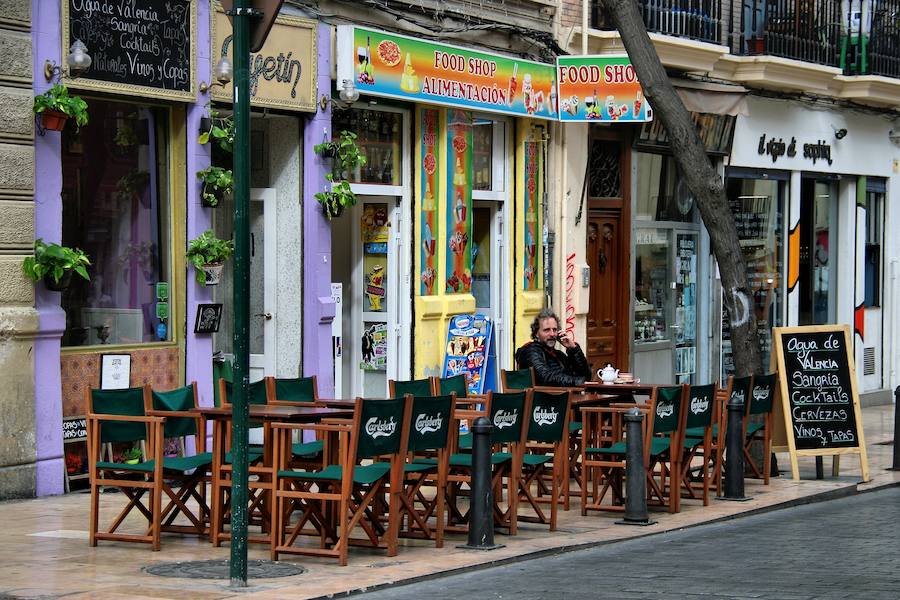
[(217, 182), (57, 99), (347, 157), (221, 131), (207, 249), (53, 261)]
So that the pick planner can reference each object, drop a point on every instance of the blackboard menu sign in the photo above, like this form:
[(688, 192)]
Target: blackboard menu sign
[(138, 47), (818, 390)]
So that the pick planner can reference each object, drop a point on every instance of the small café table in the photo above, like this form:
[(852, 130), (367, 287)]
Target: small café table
[(263, 469)]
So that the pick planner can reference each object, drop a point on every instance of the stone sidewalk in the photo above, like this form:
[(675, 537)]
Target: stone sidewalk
[(44, 552)]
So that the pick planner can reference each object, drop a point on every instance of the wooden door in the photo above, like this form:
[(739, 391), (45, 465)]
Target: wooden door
[(606, 329)]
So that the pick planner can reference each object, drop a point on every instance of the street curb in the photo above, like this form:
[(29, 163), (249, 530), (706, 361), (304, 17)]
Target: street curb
[(837, 494)]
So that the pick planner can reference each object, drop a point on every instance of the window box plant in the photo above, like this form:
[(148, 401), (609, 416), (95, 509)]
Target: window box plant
[(54, 264), (218, 184), (347, 157), (208, 255), (56, 106)]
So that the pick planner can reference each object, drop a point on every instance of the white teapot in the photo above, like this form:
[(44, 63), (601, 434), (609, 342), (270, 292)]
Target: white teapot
[(608, 374)]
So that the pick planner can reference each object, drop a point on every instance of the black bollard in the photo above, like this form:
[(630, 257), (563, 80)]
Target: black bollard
[(635, 473), (481, 500), (896, 464), (734, 452)]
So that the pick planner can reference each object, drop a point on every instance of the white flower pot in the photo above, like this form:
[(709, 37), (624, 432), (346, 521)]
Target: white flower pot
[(213, 274)]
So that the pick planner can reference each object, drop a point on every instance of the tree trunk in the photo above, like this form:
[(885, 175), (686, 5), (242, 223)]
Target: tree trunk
[(701, 178)]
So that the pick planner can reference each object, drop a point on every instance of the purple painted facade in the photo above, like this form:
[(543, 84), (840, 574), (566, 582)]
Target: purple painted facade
[(318, 307), (50, 467)]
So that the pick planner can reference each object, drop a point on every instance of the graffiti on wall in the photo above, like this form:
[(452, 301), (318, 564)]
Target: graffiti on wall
[(570, 295)]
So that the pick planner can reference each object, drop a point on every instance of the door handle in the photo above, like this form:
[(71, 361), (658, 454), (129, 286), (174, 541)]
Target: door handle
[(609, 323), (266, 315)]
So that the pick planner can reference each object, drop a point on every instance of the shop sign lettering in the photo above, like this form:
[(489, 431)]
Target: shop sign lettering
[(776, 148)]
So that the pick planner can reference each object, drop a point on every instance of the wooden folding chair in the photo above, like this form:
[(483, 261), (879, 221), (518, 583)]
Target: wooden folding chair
[(189, 473), (518, 380), (222, 478), (697, 423), (296, 391), (334, 500), (547, 445), (427, 463), (506, 413), (117, 417), (416, 387), (758, 423)]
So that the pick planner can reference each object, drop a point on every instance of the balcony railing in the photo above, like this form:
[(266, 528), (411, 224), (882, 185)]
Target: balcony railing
[(862, 41), (693, 19), (882, 47), (807, 30)]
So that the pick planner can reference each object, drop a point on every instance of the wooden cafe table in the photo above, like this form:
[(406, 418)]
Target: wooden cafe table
[(264, 469)]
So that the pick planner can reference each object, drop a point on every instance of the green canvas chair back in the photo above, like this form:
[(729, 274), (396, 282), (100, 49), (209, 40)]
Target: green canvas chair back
[(506, 415), (416, 387), (176, 400), (453, 385), (740, 388), (548, 413), (761, 396), (301, 389), (429, 422), (667, 409), (517, 380), (700, 405), (128, 402), (380, 427), (257, 392)]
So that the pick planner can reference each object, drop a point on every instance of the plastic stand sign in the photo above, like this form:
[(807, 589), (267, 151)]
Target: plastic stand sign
[(470, 350)]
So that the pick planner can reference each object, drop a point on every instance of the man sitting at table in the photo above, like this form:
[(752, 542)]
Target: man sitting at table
[(551, 366)]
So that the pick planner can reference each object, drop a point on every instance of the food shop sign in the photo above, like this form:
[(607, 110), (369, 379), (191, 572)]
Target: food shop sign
[(600, 89), (397, 66)]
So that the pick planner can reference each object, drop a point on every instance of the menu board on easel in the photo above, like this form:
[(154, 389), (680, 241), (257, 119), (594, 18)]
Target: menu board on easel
[(470, 351), (819, 397)]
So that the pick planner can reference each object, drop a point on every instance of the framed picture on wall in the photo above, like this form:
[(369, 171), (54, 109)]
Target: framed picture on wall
[(208, 317), (115, 371)]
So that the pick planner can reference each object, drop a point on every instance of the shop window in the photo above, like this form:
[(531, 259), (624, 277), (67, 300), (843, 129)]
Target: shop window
[(874, 203), (757, 207), (488, 158), (379, 137), (651, 285), (662, 193), (115, 202)]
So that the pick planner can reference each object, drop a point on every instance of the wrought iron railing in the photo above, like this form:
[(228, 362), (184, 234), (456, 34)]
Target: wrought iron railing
[(882, 47), (808, 30), (693, 19)]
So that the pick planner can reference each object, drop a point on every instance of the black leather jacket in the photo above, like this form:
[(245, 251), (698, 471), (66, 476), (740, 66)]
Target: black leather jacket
[(552, 367)]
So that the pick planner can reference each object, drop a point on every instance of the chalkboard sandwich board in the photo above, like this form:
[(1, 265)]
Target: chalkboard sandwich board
[(137, 47), (819, 397)]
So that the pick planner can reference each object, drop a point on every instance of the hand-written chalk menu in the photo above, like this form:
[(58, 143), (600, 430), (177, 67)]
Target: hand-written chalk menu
[(819, 391), (135, 44)]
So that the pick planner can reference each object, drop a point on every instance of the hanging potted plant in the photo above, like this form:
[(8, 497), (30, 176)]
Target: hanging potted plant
[(56, 106), (54, 264), (132, 456), (347, 157), (217, 129), (217, 185), (208, 255)]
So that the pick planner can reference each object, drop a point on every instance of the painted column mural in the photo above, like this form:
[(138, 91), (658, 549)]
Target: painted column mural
[(429, 181), (532, 237), (459, 201)]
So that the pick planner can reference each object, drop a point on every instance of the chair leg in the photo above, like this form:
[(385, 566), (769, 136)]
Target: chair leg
[(156, 506), (95, 510)]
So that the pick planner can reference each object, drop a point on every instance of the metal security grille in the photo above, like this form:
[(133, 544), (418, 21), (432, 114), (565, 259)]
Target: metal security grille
[(869, 360)]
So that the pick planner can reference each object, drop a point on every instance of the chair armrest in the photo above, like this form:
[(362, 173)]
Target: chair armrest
[(188, 414), (125, 418), (293, 403)]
